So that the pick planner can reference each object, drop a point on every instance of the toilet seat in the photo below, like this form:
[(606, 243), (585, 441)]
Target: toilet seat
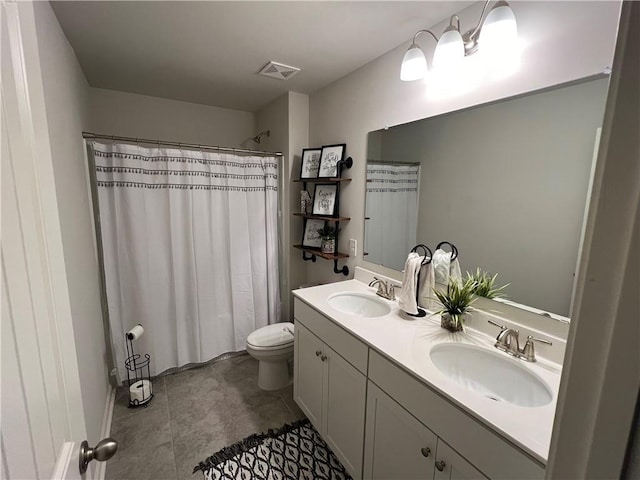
[(272, 337)]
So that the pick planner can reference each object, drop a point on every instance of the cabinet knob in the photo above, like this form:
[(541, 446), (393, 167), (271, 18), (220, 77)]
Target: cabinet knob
[(318, 353), (426, 451), (440, 465), (323, 357)]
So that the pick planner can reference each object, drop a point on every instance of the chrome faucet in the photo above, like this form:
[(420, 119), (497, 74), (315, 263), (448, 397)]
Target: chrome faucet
[(508, 341), (385, 290)]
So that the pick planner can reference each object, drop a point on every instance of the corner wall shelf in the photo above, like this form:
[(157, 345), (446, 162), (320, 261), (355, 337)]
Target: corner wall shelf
[(310, 253)]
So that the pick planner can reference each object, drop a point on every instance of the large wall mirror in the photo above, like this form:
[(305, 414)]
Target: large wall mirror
[(506, 182)]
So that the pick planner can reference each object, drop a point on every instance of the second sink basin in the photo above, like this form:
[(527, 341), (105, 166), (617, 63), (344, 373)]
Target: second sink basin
[(490, 374), (359, 304)]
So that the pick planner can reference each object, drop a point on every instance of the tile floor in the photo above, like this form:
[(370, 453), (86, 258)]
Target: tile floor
[(193, 414)]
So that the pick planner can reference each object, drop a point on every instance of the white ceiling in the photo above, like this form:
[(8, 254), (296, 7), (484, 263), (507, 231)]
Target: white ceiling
[(210, 52)]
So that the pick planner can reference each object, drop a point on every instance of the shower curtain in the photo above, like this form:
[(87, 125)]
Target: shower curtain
[(392, 209), (190, 247)]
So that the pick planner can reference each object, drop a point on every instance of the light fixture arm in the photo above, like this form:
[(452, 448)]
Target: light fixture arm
[(423, 31), (469, 38)]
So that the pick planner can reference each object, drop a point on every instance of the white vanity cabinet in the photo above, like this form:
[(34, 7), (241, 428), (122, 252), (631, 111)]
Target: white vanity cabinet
[(328, 387), (397, 445), (412, 430)]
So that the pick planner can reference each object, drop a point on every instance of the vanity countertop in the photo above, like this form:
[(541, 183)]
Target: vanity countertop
[(407, 341)]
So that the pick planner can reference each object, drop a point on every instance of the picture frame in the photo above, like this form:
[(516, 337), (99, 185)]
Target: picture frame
[(329, 158), (310, 163), (324, 199), (311, 237)]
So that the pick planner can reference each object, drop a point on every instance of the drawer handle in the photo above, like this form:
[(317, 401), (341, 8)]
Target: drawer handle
[(323, 358), (426, 451), (440, 465), (318, 353)]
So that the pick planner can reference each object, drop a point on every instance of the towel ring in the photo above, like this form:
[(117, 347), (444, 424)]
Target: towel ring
[(427, 253), (454, 249)]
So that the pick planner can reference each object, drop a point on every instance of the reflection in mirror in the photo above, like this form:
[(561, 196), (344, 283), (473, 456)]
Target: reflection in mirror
[(506, 182)]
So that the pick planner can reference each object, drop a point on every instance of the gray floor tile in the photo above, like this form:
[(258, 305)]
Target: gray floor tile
[(220, 430), (195, 413), (156, 464), (121, 406), (143, 430)]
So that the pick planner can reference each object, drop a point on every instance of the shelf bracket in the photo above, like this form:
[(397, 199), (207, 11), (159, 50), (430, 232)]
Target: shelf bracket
[(312, 257), (344, 270), (348, 163)]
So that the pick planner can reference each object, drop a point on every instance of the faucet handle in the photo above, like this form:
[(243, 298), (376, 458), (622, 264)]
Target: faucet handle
[(502, 328), (528, 352), (391, 294)]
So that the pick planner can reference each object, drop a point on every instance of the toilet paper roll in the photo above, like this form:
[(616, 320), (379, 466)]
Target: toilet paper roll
[(140, 391), (135, 333)]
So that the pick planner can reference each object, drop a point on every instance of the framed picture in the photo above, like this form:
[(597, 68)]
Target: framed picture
[(310, 163), (324, 199), (311, 237), (329, 158)]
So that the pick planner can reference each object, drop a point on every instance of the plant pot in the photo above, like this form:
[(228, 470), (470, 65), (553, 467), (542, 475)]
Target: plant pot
[(450, 323), (329, 245)]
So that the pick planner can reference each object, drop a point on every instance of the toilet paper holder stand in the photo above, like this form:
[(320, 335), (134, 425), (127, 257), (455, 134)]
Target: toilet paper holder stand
[(138, 374)]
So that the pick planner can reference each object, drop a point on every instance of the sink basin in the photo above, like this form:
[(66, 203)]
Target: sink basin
[(359, 304), (491, 374)]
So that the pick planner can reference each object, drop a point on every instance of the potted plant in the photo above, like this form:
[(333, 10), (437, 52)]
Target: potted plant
[(328, 237), (485, 284), (456, 304)]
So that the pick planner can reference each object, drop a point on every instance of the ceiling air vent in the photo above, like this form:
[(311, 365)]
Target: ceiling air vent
[(278, 70)]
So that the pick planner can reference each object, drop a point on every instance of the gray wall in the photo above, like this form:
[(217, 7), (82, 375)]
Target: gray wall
[(133, 115), (66, 98), (507, 184), (287, 118)]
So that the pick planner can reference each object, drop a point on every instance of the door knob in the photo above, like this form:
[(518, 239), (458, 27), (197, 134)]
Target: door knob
[(103, 451), (440, 465), (426, 451), (318, 353), (323, 358)]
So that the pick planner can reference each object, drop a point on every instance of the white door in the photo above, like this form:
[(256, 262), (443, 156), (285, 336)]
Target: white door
[(308, 370), (42, 412), (452, 466), (345, 395), (397, 445)]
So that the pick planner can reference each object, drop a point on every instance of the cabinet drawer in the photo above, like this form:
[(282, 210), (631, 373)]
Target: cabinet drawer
[(345, 344), (490, 453)]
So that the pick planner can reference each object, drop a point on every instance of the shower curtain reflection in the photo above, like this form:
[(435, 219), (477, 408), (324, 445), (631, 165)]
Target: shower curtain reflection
[(392, 212), (190, 247)]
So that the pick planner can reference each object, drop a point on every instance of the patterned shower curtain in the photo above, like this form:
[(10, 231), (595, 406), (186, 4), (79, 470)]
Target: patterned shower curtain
[(392, 209), (190, 246)]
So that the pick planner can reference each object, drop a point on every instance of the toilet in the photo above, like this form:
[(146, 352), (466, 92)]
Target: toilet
[(272, 346)]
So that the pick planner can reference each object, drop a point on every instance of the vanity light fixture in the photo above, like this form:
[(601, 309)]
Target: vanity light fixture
[(496, 40)]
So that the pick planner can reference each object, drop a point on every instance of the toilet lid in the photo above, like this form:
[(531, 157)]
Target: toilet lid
[(272, 335)]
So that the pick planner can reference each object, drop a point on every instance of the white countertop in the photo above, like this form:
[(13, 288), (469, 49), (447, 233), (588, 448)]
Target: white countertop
[(406, 341)]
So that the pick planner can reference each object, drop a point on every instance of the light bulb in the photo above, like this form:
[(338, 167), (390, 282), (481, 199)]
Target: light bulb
[(498, 42), (414, 65), (449, 50)]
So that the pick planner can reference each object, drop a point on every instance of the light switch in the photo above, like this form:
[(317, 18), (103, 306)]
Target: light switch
[(353, 247)]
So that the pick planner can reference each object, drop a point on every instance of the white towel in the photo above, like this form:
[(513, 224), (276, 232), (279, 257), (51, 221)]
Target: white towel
[(441, 265), (445, 268), (454, 271), (407, 297), (425, 288)]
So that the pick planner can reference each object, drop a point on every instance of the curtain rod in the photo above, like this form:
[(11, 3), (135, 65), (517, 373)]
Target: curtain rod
[(178, 144)]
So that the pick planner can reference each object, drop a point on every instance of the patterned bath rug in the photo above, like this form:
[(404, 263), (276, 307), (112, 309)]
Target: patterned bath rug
[(292, 452)]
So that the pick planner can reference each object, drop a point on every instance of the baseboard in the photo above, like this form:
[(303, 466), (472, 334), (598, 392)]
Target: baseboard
[(101, 467)]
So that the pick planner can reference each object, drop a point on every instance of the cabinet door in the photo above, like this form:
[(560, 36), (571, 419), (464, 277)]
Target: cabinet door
[(452, 466), (308, 374), (345, 400), (396, 445)]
